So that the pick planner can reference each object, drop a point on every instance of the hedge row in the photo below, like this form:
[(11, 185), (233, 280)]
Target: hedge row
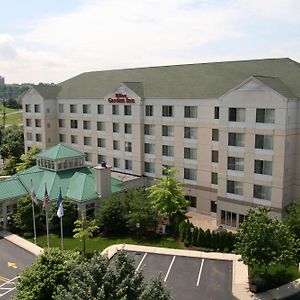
[(217, 241)]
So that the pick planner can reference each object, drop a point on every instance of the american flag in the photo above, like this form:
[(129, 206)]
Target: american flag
[(46, 200)]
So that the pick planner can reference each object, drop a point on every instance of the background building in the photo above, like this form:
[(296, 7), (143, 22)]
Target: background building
[(230, 128), (2, 81)]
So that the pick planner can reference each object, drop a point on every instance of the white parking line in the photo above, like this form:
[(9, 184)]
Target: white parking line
[(200, 271), (141, 262), (6, 290), (171, 264)]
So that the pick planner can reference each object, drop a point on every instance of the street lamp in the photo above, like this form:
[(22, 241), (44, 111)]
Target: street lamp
[(192, 233), (137, 229)]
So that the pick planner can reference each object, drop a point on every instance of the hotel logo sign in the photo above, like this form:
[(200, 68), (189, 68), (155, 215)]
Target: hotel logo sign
[(121, 98)]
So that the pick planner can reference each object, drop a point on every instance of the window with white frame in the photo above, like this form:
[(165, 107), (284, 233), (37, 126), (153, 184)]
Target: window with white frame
[(116, 145), (190, 133), (262, 192), (38, 123), (100, 109), (128, 128), (73, 124), (264, 142), (263, 167), (214, 178), (235, 187), (87, 125), (215, 156), (87, 140), (100, 126), (236, 139), (61, 123), (74, 139), (167, 111), (149, 129), (116, 127), (27, 108), (28, 122), (149, 148), (101, 158), (88, 156), (190, 174), (29, 136), (236, 114), (149, 167), (190, 112), (62, 138), (128, 164), (190, 153), (235, 163), (127, 110), (73, 108), (167, 130), (216, 112), (115, 109), (101, 143), (86, 108), (167, 150), (116, 162), (265, 115), (215, 134), (37, 108), (192, 200), (149, 110), (38, 137), (128, 146), (61, 108)]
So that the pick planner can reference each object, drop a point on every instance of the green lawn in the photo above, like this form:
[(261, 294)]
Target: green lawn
[(7, 110), (14, 119), (100, 243)]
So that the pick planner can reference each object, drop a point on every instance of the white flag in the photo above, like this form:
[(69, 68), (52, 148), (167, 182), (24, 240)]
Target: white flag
[(60, 211), (33, 196)]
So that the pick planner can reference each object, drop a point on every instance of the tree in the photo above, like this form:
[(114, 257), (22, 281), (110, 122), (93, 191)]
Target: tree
[(84, 230), (292, 219), (52, 269), (10, 166), (28, 160), (263, 242), (167, 196)]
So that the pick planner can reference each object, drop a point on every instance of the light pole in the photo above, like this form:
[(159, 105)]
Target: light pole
[(192, 233), (137, 229)]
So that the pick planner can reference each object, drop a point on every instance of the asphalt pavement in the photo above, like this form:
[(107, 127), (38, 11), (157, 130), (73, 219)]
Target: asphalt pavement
[(13, 259)]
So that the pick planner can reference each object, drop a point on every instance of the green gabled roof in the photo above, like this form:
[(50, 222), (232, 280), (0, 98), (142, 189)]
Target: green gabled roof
[(60, 151), (11, 188), (47, 91), (191, 81), (116, 185), (277, 85)]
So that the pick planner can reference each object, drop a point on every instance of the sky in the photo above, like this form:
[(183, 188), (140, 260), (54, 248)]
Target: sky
[(50, 41)]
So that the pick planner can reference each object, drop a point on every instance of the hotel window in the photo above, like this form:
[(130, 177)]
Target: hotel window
[(192, 200), (167, 111), (116, 145), (262, 192), (214, 178), (88, 156), (265, 115), (100, 126), (29, 136), (236, 139), (37, 108), (62, 138), (116, 127), (87, 140), (101, 142), (263, 167), (236, 114), (128, 128), (190, 132), (215, 156), (101, 158), (167, 150), (28, 122), (149, 129), (167, 130), (87, 125), (38, 123), (217, 113), (38, 137), (74, 139), (149, 148), (234, 187), (127, 110), (165, 169), (213, 206), (115, 109), (100, 109), (235, 163), (190, 112), (128, 146), (60, 108), (27, 108), (128, 164), (73, 108), (149, 167), (228, 218), (61, 123), (190, 153), (116, 162), (86, 108), (264, 142), (73, 124), (149, 110), (190, 174), (215, 135)]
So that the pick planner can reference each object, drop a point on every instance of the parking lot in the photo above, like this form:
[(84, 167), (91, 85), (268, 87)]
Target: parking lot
[(187, 277), (12, 260)]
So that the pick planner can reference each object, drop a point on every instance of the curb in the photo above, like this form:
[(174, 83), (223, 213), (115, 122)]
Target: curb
[(22, 243)]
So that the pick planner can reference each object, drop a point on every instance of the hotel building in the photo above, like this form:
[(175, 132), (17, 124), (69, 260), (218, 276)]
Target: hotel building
[(231, 129)]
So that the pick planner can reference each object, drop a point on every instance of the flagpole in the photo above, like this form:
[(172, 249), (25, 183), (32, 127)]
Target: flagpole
[(61, 234), (33, 216), (46, 209)]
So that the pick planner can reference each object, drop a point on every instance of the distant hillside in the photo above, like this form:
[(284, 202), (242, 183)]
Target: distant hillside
[(13, 91)]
